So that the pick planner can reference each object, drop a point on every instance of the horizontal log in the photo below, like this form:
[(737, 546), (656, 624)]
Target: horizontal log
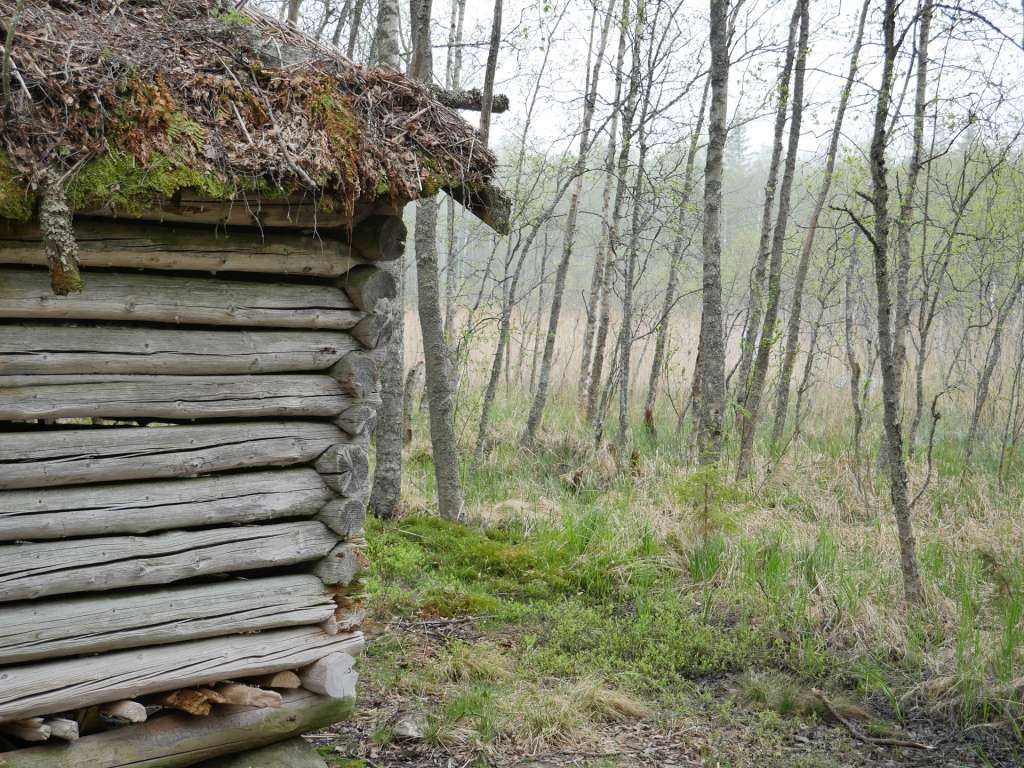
[(102, 510), (49, 629), (179, 741), (29, 571), (51, 349), (471, 99), (172, 397), (46, 458), (294, 753), (67, 684), (126, 244), (206, 300)]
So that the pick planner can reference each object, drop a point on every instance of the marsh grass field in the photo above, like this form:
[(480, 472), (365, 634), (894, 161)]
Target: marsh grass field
[(587, 614)]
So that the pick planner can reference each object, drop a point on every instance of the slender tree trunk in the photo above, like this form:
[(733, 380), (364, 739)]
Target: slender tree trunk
[(343, 15), (586, 389), (895, 461), (807, 247), (569, 237), (678, 250), (764, 246), (751, 412), (712, 340), (626, 331), (386, 493), (435, 351), (294, 9), (353, 30), (453, 80), (995, 351), (487, 99), (851, 352)]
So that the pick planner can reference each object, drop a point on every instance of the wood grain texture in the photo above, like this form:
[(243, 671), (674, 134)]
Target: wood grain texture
[(48, 629), (102, 510), (179, 741), (68, 684), (27, 348), (29, 571), (47, 458), (172, 397), (128, 244), (206, 300)]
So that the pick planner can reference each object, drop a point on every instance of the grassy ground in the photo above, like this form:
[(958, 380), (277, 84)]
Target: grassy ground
[(671, 617)]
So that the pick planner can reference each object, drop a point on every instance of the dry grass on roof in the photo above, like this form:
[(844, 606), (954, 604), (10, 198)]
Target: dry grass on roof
[(138, 98)]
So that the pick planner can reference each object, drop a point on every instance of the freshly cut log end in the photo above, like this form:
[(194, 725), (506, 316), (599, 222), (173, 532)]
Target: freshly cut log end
[(281, 681), (342, 565), (247, 695), (366, 285), (357, 373), (125, 711), (189, 700), (333, 675), (178, 741), (32, 730), (380, 238), (63, 729)]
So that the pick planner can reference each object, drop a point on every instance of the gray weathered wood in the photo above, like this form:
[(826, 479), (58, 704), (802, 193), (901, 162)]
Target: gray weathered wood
[(357, 373), (358, 419), (123, 244), (345, 468), (46, 458), (366, 285), (62, 728), (102, 510), (294, 753), (171, 397), (373, 330), (29, 571), (341, 567), (380, 238), (48, 629), (51, 349), (333, 675), (67, 684), (344, 515), (206, 300), (178, 741)]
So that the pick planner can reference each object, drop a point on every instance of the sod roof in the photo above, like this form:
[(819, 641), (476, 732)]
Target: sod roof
[(134, 101)]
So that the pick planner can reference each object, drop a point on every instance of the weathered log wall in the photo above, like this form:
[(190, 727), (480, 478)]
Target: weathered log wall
[(183, 477)]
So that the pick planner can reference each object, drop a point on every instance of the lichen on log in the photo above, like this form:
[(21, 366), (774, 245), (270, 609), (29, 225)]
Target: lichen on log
[(58, 236)]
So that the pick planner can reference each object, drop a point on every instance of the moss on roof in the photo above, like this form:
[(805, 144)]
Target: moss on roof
[(138, 99)]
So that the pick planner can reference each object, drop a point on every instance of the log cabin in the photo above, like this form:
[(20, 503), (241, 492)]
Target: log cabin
[(200, 214)]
